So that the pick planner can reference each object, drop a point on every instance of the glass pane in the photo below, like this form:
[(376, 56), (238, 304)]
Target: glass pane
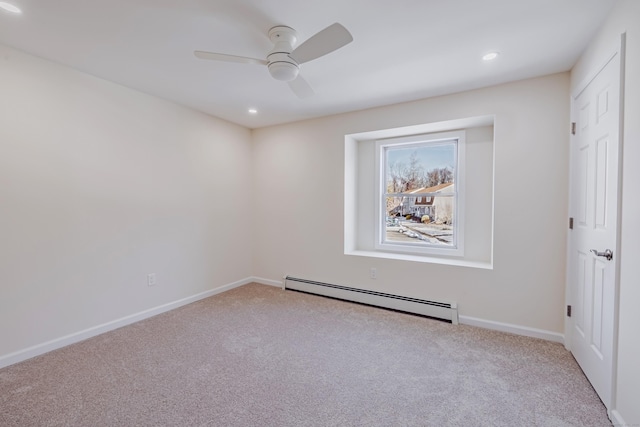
[(427, 221), (424, 168), (421, 177)]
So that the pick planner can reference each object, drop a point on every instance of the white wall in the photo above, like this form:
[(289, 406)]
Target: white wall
[(625, 17), (100, 185), (299, 193)]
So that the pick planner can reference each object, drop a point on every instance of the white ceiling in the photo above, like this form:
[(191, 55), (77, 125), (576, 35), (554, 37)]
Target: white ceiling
[(402, 50)]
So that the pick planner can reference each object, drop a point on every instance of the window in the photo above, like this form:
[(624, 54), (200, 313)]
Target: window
[(472, 194), (420, 194)]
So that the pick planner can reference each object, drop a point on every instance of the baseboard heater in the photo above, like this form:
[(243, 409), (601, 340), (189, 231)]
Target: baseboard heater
[(436, 309)]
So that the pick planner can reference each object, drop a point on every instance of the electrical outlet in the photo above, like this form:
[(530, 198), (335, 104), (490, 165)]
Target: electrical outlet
[(151, 279), (373, 273)]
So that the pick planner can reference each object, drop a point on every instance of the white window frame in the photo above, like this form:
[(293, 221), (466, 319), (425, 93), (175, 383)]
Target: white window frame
[(421, 248)]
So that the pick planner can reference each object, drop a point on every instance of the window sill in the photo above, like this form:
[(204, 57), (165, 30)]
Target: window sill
[(420, 258)]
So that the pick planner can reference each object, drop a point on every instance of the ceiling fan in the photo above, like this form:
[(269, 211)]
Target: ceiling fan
[(283, 61)]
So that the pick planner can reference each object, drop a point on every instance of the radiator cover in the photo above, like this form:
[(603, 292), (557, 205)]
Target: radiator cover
[(436, 309)]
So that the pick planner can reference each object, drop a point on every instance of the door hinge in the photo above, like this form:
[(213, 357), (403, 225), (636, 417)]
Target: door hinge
[(568, 311), (570, 223), (573, 128)]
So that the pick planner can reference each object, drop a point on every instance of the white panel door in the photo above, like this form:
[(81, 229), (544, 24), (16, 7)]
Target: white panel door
[(594, 209)]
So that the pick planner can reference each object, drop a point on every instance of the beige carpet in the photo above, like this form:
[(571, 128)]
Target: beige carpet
[(260, 356)]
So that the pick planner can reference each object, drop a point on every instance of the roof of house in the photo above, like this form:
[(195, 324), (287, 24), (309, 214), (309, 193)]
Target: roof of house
[(435, 189)]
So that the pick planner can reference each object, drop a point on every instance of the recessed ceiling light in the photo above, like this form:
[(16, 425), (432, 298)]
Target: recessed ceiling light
[(490, 56), (253, 111), (9, 7)]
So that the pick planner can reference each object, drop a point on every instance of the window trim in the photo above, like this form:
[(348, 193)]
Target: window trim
[(380, 242)]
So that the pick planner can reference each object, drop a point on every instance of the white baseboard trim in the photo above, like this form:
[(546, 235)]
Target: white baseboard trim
[(514, 329), (268, 282), (467, 320), (616, 419), (36, 350)]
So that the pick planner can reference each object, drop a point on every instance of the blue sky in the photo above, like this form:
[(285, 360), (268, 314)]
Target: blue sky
[(431, 157)]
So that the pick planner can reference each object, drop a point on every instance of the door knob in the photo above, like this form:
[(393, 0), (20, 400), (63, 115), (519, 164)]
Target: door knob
[(607, 254)]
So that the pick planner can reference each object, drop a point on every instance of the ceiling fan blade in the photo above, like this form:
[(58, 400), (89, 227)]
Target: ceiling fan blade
[(326, 41), (228, 58), (301, 88)]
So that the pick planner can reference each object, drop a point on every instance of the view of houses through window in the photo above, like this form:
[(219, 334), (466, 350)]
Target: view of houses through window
[(419, 197)]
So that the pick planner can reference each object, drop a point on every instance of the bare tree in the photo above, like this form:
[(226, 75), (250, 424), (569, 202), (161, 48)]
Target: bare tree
[(394, 178), (402, 177), (438, 176)]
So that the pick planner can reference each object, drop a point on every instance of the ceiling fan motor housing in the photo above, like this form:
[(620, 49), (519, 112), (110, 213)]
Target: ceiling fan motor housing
[(281, 66)]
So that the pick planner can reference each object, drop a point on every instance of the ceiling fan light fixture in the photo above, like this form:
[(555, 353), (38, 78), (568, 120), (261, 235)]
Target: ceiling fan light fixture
[(10, 7), (283, 71), (490, 56)]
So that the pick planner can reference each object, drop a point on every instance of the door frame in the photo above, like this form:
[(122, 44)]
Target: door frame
[(618, 49)]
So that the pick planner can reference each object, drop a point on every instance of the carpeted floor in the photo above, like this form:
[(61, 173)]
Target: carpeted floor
[(260, 356)]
